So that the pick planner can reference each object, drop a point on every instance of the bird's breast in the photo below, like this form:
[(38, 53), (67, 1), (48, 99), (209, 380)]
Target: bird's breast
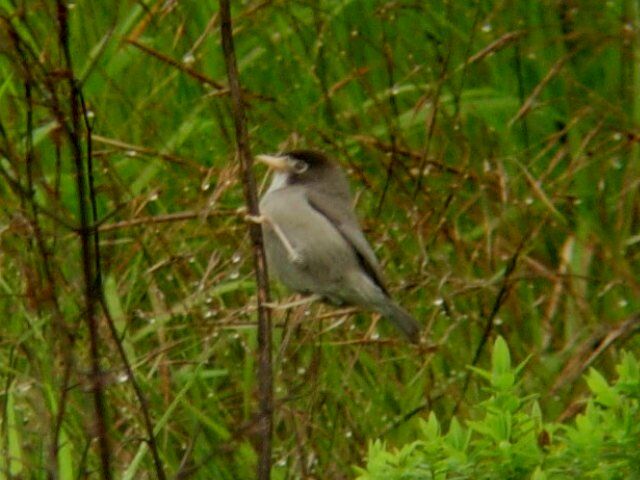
[(324, 256)]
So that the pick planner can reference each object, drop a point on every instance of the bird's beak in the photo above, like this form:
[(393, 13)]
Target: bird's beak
[(274, 162)]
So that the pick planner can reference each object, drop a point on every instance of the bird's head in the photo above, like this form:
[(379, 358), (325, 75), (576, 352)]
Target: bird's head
[(306, 167), (298, 165)]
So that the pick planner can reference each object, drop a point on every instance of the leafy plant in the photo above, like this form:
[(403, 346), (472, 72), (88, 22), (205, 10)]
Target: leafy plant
[(509, 439)]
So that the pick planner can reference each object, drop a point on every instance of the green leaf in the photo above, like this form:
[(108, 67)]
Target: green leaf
[(431, 428), (502, 376), (500, 358), (14, 464), (604, 393), (457, 437), (628, 371), (539, 474)]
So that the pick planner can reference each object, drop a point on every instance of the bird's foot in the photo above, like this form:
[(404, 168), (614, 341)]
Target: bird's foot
[(295, 257), (259, 219), (296, 303)]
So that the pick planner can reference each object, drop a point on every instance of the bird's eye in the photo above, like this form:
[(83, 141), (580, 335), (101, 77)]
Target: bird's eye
[(299, 166)]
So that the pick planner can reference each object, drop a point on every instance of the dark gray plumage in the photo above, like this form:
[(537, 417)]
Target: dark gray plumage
[(313, 240)]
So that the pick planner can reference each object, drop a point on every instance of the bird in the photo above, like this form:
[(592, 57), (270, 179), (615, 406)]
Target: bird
[(313, 241)]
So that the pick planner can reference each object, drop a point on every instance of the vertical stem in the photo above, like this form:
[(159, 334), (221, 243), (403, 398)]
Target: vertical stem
[(392, 119), (265, 374), (91, 280)]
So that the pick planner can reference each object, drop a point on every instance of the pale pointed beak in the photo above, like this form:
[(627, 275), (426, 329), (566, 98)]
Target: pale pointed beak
[(274, 162)]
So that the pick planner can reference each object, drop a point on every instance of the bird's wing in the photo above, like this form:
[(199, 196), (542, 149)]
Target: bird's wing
[(345, 221)]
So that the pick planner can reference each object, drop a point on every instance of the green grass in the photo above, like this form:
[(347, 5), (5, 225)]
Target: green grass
[(530, 156)]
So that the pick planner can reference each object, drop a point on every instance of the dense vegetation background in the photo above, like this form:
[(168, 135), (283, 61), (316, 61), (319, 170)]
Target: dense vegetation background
[(493, 151)]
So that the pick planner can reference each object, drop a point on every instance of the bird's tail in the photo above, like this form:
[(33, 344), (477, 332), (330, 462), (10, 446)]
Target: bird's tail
[(402, 320)]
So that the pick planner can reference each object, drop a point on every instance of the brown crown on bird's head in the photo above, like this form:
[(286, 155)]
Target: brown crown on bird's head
[(305, 166)]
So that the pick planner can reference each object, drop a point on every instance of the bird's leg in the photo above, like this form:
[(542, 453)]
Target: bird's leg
[(294, 256), (295, 303)]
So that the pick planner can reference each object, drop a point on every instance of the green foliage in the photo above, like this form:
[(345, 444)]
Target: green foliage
[(510, 439)]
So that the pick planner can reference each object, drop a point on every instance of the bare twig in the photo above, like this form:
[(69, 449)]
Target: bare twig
[(495, 46), (592, 349), (166, 218), (265, 373), (144, 407), (203, 79), (148, 151), (179, 65), (535, 93), (406, 152), (499, 301), (501, 298), (91, 274), (48, 297), (392, 121), (430, 126), (142, 400)]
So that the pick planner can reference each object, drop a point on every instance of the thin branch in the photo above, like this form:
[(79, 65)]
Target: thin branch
[(142, 400), (430, 126), (61, 332), (535, 93), (392, 121), (203, 79), (265, 373), (165, 218), (499, 301), (176, 64), (91, 277), (592, 349), (135, 149), (501, 298)]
